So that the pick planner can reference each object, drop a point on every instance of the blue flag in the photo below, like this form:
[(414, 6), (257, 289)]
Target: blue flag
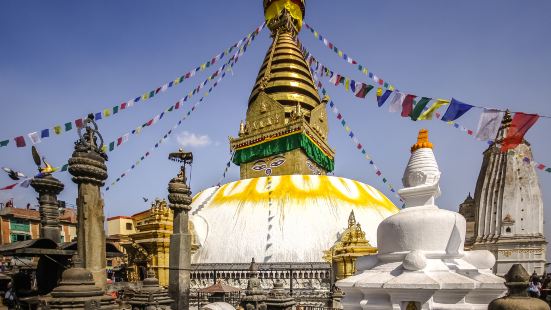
[(381, 100), (455, 110)]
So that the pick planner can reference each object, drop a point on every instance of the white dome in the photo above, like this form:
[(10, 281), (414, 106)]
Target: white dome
[(292, 218)]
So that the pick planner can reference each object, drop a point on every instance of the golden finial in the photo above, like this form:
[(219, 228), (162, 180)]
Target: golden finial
[(351, 219), (422, 141)]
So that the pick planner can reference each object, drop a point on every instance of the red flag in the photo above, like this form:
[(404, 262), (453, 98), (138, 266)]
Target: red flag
[(123, 105), (78, 123), (119, 141), (519, 126), (20, 141), (8, 187), (407, 105)]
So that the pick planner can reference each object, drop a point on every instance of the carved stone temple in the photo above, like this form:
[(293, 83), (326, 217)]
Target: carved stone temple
[(87, 166), (508, 207)]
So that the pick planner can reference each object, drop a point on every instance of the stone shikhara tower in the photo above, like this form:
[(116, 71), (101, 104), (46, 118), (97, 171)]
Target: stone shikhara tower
[(509, 207)]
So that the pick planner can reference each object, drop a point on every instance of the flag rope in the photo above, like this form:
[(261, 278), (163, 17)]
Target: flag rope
[(376, 79), (235, 58), (340, 118), (37, 136)]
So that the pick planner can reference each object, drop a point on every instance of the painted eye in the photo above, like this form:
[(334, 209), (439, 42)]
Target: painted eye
[(259, 165), (278, 161)]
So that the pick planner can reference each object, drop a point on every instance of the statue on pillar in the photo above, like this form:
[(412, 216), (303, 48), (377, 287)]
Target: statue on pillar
[(179, 196), (47, 188), (87, 166)]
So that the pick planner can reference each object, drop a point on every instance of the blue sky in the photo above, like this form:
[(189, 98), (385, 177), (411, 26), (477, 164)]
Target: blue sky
[(62, 59)]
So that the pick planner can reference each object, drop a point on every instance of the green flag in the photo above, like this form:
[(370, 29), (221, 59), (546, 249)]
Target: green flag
[(111, 146), (419, 107), (68, 126)]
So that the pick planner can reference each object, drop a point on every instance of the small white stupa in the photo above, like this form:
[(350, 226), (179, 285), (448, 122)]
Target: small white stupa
[(421, 263)]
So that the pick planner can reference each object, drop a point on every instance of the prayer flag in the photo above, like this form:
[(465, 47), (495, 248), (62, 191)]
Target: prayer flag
[(488, 124), (97, 116), (20, 141), (35, 137), (455, 110), (363, 90), (335, 79), (111, 146), (346, 84), (4, 143), (119, 141), (25, 183), (540, 166), (381, 100), (9, 187), (427, 115), (115, 109), (519, 126), (57, 129), (68, 126), (395, 104), (106, 112), (407, 105), (419, 107), (79, 123), (45, 133)]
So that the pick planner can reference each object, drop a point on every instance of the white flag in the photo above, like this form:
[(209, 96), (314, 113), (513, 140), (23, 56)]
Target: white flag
[(396, 102), (35, 137), (489, 123)]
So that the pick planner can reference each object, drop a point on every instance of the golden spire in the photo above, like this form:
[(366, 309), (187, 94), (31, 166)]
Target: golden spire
[(422, 141), (293, 11)]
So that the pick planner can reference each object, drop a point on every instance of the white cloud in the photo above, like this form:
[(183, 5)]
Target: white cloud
[(186, 138)]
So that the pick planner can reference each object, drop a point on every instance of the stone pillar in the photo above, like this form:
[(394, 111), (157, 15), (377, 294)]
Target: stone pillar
[(179, 196), (48, 188), (87, 165)]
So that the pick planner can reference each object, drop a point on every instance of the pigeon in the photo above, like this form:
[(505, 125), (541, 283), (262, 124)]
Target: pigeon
[(14, 175), (145, 199)]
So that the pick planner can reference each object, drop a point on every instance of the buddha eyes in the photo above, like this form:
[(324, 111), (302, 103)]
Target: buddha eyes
[(259, 165), (277, 161)]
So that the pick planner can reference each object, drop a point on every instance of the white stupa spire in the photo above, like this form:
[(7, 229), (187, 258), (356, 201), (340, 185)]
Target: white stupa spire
[(421, 263)]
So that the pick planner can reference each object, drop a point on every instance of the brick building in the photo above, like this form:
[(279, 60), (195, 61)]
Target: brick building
[(19, 224)]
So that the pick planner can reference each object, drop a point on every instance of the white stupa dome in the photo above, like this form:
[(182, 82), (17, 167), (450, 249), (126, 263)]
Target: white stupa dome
[(290, 218)]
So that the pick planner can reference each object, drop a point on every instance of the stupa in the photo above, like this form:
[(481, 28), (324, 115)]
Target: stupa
[(421, 263), (285, 208)]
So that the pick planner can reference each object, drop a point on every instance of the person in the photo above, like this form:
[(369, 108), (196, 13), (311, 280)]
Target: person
[(9, 296), (534, 287)]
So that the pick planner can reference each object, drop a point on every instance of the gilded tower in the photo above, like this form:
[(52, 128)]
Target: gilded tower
[(285, 131)]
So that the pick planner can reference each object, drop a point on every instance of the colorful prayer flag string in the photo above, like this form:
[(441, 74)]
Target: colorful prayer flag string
[(228, 165), (363, 69), (109, 147), (235, 58), (471, 133), (37, 136), (357, 143)]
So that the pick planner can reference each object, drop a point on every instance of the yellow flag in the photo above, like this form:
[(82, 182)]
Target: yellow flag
[(339, 53), (347, 84), (107, 112), (379, 92), (427, 115), (57, 129)]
